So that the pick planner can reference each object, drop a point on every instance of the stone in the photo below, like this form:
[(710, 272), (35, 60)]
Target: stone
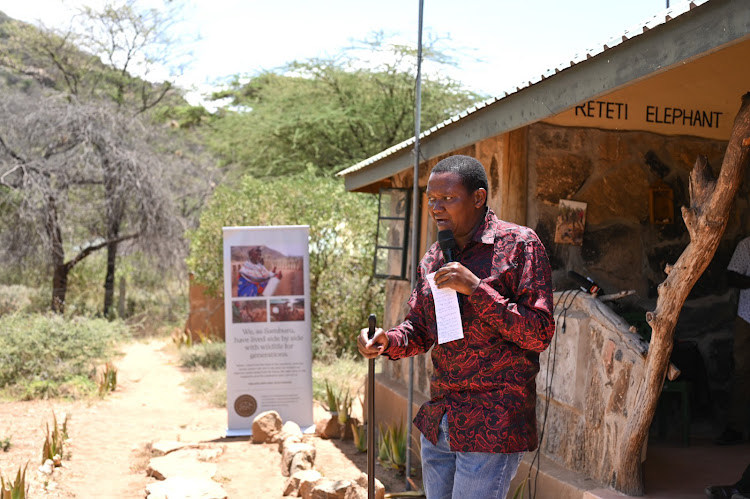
[(266, 427), (379, 487), (186, 488), (210, 454), (48, 467), (561, 176), (356, 492), (293, 484), (614, 251), (290, 429), (164, 447), (300, 461), (620, 194), (328, 426), (330, 489), (286, 442), (183, 463), (291, 451)]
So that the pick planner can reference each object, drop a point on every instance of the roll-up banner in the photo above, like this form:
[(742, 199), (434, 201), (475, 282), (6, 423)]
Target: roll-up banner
[(268, 334)]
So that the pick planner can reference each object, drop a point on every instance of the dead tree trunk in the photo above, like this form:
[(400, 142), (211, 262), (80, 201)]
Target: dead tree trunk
[(60, 270), (706, 219)]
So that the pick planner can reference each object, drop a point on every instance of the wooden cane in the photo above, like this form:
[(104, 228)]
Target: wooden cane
[(371, 416)]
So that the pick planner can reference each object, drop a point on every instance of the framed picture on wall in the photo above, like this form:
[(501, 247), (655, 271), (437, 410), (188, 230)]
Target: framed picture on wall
[(571, 220)]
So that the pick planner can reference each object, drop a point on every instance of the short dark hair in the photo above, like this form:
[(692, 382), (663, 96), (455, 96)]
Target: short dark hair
[(471, 171)]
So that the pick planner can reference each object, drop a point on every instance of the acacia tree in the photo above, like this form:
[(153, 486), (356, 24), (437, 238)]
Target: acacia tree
[(322, 115), (64, 165), (96, 58)]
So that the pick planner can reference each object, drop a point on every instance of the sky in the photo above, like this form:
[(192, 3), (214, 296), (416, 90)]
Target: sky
[(496, 44)]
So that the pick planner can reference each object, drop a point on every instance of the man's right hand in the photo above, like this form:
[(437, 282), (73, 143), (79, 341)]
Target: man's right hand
[(371, 348)]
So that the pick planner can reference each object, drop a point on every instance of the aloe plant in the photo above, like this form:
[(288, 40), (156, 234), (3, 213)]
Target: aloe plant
[(18, 489), (108, 379), (359, 435), (392, 446), (54, 442)]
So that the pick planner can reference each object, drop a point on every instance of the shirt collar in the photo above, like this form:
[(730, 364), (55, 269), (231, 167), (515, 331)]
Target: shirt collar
[(485, 233)]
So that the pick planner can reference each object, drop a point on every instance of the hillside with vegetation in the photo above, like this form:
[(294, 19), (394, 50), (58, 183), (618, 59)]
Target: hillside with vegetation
[(113, 187)]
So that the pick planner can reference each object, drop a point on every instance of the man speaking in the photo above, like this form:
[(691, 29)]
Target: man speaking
[(481, 416)]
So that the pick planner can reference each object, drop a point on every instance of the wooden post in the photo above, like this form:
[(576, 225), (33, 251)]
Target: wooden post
[(706, 219)]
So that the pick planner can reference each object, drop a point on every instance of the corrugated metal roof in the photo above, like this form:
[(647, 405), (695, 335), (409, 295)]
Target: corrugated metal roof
[(658, 19)]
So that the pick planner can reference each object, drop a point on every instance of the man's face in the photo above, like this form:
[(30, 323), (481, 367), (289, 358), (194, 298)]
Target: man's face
[(452, 206)]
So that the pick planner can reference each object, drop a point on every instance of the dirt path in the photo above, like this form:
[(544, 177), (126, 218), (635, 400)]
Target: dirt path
[(110, 439)]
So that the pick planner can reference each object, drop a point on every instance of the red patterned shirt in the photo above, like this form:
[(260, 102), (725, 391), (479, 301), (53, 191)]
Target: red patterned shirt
[(485, 381)]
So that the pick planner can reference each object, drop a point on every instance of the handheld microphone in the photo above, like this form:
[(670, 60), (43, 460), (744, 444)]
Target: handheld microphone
[(447, 245), (586, 283)]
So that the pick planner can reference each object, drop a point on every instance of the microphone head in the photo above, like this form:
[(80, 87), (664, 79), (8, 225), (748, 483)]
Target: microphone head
[(446, 240)]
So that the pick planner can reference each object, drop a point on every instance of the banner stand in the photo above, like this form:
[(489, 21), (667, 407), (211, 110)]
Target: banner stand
[(267, 326)]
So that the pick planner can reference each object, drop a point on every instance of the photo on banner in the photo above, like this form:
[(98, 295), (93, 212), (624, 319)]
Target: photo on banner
[(268, 329)]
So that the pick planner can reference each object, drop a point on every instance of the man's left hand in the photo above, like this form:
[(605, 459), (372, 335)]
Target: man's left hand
[(455, 276)]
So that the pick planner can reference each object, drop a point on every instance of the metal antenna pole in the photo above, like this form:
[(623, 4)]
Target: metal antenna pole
[(371, 416), (414, 233)]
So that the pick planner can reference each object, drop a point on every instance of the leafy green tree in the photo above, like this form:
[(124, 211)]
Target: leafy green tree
[(342, 232), (322, 115)]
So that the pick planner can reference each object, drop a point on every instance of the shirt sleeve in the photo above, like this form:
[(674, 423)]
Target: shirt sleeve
[(411, 336), (740, 258), (527, 319)]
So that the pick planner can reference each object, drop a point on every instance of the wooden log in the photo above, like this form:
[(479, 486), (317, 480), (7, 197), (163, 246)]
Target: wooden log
[(705, 218)]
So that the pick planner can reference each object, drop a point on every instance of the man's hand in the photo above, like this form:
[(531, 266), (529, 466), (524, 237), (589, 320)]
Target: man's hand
[(371, 348), (455, 276)]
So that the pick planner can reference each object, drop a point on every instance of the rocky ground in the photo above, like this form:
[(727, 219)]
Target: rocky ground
[(112, 441)]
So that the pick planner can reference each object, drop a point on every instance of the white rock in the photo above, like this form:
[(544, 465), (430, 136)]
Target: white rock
[(379, 487), (48, 467), (301, 461), (292, 487), (330, 489), (186, 488), (290, 451), (183, 463)]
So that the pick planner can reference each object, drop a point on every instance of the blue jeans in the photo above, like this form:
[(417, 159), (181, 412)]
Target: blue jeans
[(466, 475)]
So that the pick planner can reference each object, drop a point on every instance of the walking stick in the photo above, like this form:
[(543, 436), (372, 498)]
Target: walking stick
[(371, 416)]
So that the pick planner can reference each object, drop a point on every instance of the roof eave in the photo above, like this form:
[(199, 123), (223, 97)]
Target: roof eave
[(700, 31)]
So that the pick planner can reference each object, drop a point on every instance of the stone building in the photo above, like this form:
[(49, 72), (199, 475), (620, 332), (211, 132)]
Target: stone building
[(617, 128)]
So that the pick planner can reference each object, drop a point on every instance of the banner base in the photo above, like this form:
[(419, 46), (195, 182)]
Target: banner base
[(238, 432)]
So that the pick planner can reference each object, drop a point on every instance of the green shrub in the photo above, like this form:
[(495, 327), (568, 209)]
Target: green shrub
[(206, 355), (19, 298), (343, 291), (44, 356), (210, 385)]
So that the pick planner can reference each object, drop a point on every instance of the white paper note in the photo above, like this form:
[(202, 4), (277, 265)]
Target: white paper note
[(447, 312)]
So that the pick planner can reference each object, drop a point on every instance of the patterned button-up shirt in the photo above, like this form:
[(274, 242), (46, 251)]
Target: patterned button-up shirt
[(485, 381)]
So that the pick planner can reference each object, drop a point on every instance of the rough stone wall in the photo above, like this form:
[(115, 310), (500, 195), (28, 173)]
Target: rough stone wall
[(611, 171), (591, 368)]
